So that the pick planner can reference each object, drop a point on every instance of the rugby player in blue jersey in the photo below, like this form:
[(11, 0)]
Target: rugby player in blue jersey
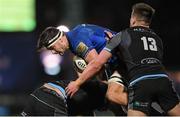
[(85, 41)]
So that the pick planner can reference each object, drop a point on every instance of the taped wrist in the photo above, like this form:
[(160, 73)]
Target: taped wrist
[(117, 78)]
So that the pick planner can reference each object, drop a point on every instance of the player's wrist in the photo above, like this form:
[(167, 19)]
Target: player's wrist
[(79, 82)]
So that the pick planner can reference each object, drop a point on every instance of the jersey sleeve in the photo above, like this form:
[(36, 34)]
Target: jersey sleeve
[(84, 45), (114, 42)]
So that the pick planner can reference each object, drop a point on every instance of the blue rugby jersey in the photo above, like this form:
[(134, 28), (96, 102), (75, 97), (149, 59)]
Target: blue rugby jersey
[(86, 37)]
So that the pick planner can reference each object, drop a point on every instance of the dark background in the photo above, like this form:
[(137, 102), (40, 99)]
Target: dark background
[(21, 70)]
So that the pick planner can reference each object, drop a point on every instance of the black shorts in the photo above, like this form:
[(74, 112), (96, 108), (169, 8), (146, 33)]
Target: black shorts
[(144, 92), (45, 102)]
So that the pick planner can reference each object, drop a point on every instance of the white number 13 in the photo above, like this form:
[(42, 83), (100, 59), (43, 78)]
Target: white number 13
[(149, 46)]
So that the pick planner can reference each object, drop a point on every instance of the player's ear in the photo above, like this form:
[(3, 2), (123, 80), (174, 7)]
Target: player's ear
[(132, 21)]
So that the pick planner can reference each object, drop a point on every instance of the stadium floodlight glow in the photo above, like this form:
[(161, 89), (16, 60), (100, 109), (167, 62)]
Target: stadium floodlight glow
[(51, 62), (63, 28)]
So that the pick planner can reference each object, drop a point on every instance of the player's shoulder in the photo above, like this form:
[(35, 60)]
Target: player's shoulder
[(123, 32), (82, 28), (78, 27), (78, 31)]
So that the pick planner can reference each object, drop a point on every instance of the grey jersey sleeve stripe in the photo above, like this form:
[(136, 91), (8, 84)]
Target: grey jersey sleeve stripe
[(114, 42)]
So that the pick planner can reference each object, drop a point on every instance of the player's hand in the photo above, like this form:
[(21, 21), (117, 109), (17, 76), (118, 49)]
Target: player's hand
[(108, 34), (72, 88)]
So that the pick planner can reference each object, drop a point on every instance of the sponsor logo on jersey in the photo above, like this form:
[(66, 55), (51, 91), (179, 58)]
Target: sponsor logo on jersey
[(81, 49), (150, 61)]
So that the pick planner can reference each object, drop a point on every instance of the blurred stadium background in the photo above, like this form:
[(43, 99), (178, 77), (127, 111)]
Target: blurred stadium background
[(22, 69)]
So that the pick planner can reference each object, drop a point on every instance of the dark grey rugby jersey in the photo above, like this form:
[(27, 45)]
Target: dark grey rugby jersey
[(139, 48)]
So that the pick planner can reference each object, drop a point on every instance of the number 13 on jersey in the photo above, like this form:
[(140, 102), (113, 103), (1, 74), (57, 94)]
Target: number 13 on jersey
[(149, 43)]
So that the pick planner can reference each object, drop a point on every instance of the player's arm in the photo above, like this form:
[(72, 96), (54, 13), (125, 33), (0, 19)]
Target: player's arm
[(94, 67), (92, 54), (96, 64)]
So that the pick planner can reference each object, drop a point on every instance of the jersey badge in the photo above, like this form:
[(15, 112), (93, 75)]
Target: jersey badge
[(81, 48)]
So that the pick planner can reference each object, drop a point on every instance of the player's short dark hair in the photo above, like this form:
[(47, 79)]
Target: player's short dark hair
[(143, 12), (47, 37)]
